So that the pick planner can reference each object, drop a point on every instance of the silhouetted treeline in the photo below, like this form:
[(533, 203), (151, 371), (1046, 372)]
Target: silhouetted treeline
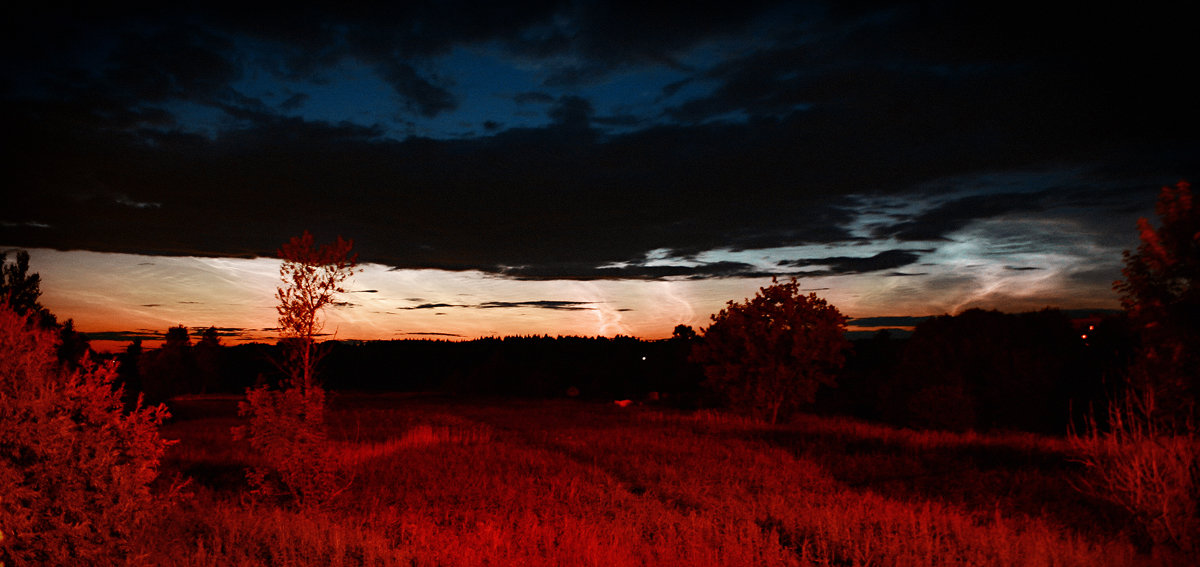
[(537, 366), (979, 370), (985, 370), (621, 367)]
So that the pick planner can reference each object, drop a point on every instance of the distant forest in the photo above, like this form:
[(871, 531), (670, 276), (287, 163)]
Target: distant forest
[(980, 370)]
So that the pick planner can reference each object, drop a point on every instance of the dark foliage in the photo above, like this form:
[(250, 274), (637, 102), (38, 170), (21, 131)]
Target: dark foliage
[(869, 365), (170, 369), (1161, 294), (986, 370), (770, 354)]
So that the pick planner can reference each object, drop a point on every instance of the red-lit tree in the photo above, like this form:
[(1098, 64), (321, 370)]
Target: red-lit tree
[(287, 425), (312, 276), (1161, 294), (770, 354), (1146, 457)]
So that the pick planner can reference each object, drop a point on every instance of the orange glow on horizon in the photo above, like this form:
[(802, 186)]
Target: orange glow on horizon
[(109, 294)]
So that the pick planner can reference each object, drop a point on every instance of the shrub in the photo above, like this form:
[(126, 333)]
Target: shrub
[(75, 469), (1153, 474), (287, 431)]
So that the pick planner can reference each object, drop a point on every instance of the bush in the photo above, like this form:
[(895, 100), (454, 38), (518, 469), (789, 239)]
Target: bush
[(1153, 474), (287, 431), (75, 469), (988, 370)]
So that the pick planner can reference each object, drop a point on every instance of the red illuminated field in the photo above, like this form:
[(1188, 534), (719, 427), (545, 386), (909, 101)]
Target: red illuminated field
[(434, 481)]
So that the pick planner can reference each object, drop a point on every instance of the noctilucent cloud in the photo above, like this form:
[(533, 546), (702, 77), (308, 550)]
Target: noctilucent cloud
[(585, 168)]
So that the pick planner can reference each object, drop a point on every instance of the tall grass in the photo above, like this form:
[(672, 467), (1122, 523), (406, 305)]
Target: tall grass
[(1151, 472), (568, 483)]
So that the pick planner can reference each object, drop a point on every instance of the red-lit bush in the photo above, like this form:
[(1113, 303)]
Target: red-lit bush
[(287, 431), (75, 468), (1152, 473)]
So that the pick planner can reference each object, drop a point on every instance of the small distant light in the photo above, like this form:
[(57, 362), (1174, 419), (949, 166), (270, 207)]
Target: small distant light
[(1084, 337), (1091, 327), (643, 358)]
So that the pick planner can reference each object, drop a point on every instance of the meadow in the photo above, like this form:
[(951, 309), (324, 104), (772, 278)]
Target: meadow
[(434, 480)]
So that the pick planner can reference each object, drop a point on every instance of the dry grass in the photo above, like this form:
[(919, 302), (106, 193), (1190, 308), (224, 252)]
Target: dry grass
[(1152, 473), (569, 483)]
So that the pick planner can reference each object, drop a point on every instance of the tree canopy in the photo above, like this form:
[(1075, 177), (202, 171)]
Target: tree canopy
[(770, 354), (1161, 294), (312, 275)]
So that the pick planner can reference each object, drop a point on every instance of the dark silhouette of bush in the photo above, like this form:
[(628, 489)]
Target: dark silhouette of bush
[(169, 370), (75, 468), (869, 365), (984, 370), (129, 371), (770, 354), (209, 358)]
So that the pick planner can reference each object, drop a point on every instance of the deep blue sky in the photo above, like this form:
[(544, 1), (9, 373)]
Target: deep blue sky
[(912, 158)]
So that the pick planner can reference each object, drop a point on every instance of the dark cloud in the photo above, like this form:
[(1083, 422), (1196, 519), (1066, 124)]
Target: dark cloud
[(538, 304), (887, 260), (295, 101), (886, 321), (420, 94), (939, 222), (784, 111), (195, 333), (571, 112), (124, 335), (431, 306), (533, 98), (556, 305), (581, 271)]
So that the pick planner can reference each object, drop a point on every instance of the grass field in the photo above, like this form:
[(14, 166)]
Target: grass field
[(438, 481)]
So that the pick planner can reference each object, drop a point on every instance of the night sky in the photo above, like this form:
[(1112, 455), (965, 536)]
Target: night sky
[(586, 168)]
